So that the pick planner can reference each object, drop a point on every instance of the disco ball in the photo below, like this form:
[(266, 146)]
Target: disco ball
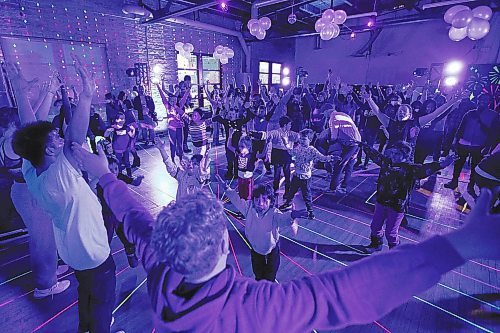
[(292, 18)]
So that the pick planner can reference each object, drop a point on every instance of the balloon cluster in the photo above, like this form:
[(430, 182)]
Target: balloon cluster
[(223, 53), (328, 24), (259, 27), (468, 23), (184, 50)]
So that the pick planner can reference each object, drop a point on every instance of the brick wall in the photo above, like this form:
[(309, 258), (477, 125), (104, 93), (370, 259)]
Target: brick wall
[(127, 41)]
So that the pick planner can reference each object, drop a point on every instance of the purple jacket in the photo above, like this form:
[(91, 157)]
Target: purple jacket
[(358, 294)]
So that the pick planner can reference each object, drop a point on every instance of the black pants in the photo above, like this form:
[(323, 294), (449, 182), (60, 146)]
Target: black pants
[(124, 162), (463, 152), (369, 137), (96, 297), (265, 267), (258, 146), (305, 186), (232, 164), (281, 161), (428, 143)]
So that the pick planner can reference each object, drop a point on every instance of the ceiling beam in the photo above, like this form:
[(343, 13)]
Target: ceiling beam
[(182, 12)]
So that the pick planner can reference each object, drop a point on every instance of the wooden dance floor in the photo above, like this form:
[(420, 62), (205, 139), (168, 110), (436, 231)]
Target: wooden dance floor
[(466, 299)]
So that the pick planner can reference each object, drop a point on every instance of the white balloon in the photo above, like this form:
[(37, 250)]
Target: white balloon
[(188, 47), (265, 23), (251, 22), (219, 49), (478, 28), (462, 19), (230, 53), (336, 30), (482, 12), (328, 15), (224, 61), (320, 24), (457, 35), (340, 17), (178, 46), (450, 13), (254, 28), (261, 34), (327, 32)]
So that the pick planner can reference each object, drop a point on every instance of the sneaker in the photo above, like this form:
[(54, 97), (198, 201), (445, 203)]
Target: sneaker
[(374, 246), (137, 180), (451, 185), (58, 288), (286, 206), (310, 215), (391, 246), (61, 269), (342, 190)]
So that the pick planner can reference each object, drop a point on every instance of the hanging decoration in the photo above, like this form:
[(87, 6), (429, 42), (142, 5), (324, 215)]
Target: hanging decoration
[(468, 23), (328, 24), (184, 49), (223, 54), (258, 27)]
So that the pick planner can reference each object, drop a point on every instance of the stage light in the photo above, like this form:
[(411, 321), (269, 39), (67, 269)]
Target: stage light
[(370, 23), (353, 35), (155, 79), (157, 69), (450, 81), (453, 67), (285, 81), (224, 6), (286, 71)]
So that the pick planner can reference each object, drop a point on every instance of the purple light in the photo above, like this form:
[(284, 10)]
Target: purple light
[(223, 6), (353, 34), (370, 23), (453, 67)]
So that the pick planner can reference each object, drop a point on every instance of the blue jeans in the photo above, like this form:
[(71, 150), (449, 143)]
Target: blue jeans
[(96, 297)]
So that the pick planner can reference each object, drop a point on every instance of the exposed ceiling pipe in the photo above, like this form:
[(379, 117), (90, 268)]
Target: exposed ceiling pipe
[(182, 12), (215, 28), (262, 3), (444, 3)]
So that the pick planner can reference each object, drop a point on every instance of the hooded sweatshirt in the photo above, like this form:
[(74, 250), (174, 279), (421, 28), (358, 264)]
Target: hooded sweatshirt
[(358, 294)]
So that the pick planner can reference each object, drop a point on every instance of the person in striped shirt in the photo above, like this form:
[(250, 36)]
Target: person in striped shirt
[(199, 137)]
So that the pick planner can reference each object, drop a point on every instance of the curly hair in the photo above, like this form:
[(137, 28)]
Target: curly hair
[(188, 234), (264, 190), (30, 140), (8, 116)]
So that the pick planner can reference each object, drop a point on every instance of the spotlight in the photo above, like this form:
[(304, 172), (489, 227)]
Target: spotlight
[(453, 67), (353, 35), (370, 23), (450, 81), (157, 69), (223, 6), (286, 71), (155, 80), (285, 81)]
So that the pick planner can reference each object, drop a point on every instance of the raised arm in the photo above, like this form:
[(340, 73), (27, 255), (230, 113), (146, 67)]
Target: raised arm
[(163, 96), (240, 204), (384, 119), (21, 87), (440, 110), (42, 113), (184, 98)]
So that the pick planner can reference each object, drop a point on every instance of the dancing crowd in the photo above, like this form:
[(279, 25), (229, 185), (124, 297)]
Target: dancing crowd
[(69, 177)]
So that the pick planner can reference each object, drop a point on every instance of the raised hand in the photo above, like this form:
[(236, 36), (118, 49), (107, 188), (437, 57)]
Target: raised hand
[(366, 94), (87, 78), (55, 82), (16, 76), (96, 165), (160, 144)]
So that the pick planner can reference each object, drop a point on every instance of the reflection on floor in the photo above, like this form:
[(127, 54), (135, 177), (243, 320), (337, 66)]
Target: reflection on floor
[(466, 300)]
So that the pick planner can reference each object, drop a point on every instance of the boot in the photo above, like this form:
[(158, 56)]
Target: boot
[(375, 245), (137, 161)]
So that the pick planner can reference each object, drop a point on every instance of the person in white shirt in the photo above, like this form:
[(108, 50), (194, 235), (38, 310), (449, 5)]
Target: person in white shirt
[(54, 178)]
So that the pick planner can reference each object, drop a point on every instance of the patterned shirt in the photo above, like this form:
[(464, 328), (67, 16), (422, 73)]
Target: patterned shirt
[(303, 159), (397, 180)]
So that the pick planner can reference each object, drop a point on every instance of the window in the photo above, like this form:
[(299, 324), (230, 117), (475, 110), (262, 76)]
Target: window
[(269, 73), (201, 68)]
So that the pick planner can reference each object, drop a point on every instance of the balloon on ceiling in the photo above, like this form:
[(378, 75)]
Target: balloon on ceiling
[(328, 24), (184, 49), (258, 27), (468, 23), (223, 54)]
